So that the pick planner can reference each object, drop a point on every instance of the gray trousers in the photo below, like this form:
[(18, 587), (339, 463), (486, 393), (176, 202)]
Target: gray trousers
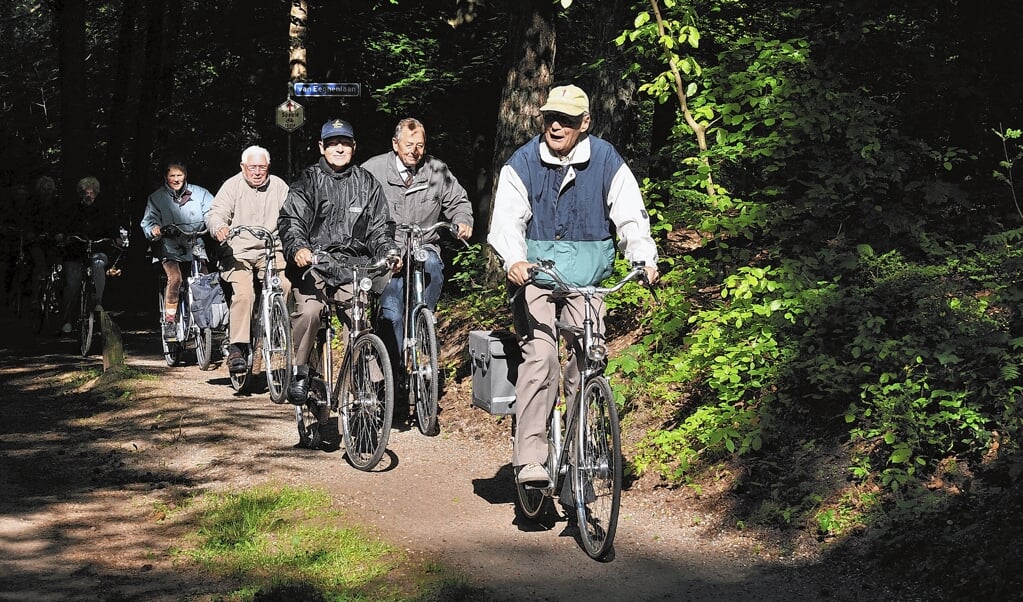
[(309, 305), (537, 386)]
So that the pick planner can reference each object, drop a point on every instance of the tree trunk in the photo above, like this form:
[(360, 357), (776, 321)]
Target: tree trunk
[(297, 27), (123, 112), (71, 50), (529, 72)]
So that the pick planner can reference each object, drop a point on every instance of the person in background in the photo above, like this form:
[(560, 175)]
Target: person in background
[(180, 203), (91, 220), (334, 205), (251, 197), (419, 189), (561, 196)]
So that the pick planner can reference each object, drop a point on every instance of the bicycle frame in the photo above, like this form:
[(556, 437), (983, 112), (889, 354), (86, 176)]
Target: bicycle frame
[(189, 336), (87, 294), (421, 374), (261, 333), (367, 410), (587, 450)]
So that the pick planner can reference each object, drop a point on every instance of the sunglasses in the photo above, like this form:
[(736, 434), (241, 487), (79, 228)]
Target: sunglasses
[(568, 121)]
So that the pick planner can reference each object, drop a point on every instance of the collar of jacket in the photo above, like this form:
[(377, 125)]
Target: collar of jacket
[(329, 170)]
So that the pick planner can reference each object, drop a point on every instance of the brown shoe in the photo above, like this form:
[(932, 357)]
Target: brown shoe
[(236, 362)]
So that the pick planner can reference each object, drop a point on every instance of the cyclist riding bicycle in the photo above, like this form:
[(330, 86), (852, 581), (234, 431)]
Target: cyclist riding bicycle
[(252, 197), (561, 196), (91, 221), (333, 204), (419, 189), (175, 202)]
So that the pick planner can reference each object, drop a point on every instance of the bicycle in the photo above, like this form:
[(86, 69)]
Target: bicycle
[(189, 334), (50, 303), (270, 328), (584, 438), (362, 392), (86, 319), (419, 349)]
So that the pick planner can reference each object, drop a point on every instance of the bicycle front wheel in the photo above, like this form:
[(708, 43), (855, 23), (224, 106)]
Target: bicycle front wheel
[(277, 361), (87, 317), (597, 469), (204, 348), (425, 380), (172, 351), (366, 401), (47, 306)]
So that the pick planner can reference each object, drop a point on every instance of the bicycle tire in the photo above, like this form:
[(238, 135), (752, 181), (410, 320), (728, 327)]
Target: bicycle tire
[(204, 348), (277, 360), (366, 403), (534, 502), (171, 351), (242, 381), (596, 471), (86, 315), (47, 306), (425, 373), (312, 417)]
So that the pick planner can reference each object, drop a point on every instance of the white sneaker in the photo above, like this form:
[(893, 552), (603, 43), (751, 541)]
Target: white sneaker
[(533, 474)]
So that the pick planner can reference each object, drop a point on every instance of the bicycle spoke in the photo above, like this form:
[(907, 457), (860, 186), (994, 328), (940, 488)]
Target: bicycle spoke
[(367, 404), (597, 469)]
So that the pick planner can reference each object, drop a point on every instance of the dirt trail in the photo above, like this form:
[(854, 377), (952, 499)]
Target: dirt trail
[(80, 488)]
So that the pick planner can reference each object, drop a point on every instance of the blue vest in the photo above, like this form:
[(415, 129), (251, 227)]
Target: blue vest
[(570, 225)]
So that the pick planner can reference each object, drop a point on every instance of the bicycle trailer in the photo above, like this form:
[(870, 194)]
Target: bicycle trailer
[(494, 357)]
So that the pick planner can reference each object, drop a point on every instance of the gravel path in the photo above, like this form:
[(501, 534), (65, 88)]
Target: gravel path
[(79, 489)]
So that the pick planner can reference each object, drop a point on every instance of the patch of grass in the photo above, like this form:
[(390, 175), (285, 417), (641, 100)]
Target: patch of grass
[(286, 542)]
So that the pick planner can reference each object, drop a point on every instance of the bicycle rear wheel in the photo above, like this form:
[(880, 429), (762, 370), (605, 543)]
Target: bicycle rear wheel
[(366, 401), (425, 380), (204, 348), (597, 468), (86, 315), (312, 416), (277, 351)]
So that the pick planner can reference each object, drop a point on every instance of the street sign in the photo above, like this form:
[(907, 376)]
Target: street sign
[(321, 89), (290, 115)]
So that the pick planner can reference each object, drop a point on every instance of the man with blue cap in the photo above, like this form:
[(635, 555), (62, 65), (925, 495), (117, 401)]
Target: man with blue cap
[(332, 205)]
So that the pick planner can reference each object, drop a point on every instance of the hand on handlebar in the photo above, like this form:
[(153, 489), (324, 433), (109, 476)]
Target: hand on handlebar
[(463, 231), (303, 257), (221, 234), (652, 275), (520, 272), (394, 260)]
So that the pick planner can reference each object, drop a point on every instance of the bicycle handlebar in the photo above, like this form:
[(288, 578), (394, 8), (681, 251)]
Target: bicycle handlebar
[(185, 230), (418, 230), (259, 232), (546, 267)]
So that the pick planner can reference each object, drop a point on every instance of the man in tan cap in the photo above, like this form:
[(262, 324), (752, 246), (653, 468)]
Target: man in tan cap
[(561, 196)]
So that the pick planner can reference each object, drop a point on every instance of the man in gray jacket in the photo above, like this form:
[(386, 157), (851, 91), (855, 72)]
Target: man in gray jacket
[(419, 189)]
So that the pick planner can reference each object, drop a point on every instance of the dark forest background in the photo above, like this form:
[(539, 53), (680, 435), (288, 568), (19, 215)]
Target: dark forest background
[(832, 185)]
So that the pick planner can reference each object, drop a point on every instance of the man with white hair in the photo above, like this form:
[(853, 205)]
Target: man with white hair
[(252, 197)]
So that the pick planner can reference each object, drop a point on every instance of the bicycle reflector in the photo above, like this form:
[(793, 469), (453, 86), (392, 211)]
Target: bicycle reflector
[(365, 284), (597, 352)]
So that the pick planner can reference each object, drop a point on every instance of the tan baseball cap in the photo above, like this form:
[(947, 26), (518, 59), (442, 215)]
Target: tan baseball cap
[(570, 100)]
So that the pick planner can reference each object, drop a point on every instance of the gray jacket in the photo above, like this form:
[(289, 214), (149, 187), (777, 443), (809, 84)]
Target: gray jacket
[(434, 191)]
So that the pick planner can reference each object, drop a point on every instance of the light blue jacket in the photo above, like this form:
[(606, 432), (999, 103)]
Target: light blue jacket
[(162, 208)]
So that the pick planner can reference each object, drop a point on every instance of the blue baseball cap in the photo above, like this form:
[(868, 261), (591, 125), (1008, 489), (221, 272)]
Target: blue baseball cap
[(337, 127)]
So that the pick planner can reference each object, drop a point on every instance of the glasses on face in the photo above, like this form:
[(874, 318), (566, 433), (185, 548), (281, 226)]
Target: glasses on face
[(566, 121), (257, 168)]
